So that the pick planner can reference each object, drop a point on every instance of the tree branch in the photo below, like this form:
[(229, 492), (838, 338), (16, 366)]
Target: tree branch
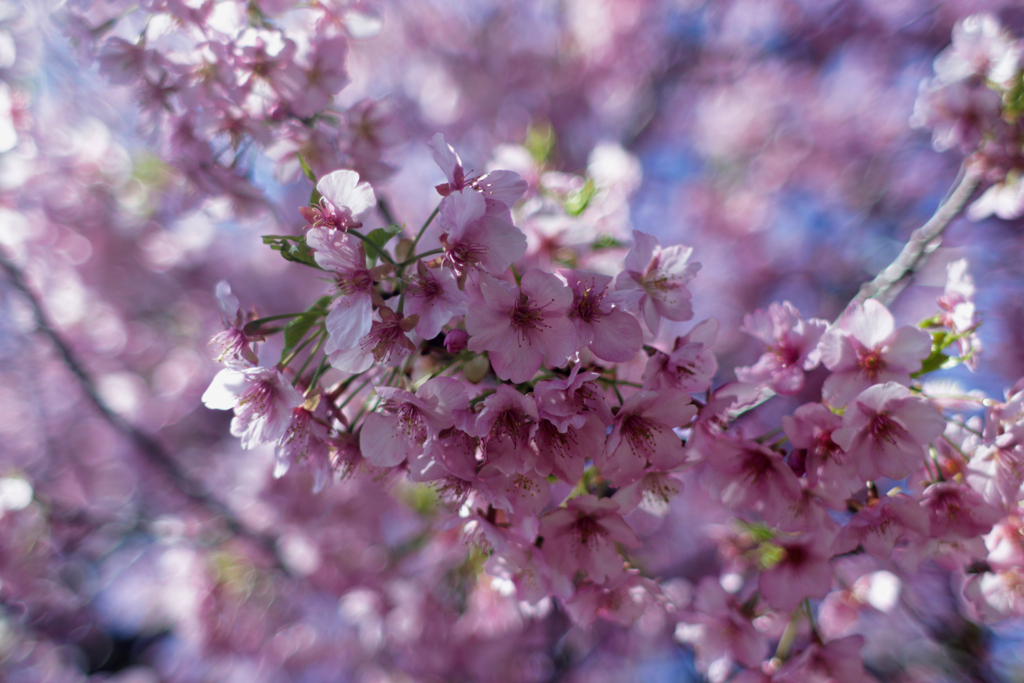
[(921, 244), (144, 443)]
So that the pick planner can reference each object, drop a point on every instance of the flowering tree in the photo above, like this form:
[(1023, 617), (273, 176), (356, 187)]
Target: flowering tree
[(683, 373)]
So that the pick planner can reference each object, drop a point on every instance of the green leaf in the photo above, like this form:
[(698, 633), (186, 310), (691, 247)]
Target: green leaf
[(306, 169), (932, 363), (296, 330), (376, 240), (292, 249), (577, 201), (606, 242), (540, 141)]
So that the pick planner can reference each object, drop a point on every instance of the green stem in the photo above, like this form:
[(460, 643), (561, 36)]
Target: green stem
[(413, 259), (324, 364), (253, 325), (353, 394), (430, 219), (287, 361), (321, 338)]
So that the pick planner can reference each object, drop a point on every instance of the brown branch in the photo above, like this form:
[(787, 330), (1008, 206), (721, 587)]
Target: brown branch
[(921, 244), (144, 443)]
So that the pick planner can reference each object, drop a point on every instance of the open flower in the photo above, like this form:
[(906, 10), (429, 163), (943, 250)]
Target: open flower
[(865, 348), (661, 275), (261, 398), (609, 332), (643, 433), (345, 202), (886, 430), (350, 319), (406, 420), (792, 347), (522, 328), (583, 534)]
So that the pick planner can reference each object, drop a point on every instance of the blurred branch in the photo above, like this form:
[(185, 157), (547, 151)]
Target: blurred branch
[(923, 241), (144, 443)]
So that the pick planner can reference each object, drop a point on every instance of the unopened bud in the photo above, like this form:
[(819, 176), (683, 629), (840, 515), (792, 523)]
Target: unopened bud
[(456, 340), (476, 369)]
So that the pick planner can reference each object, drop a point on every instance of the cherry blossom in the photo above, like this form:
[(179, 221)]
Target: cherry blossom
[(608, 331), (792, 347), (643, 433), (662, 276), (523, 327), (407, 420), (583, 534), (886, 430), (345, 203), (690, 366), (866, 348), (261, 398)]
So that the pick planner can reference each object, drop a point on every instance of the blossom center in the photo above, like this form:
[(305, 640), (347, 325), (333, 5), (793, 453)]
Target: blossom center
[(587, 306), (524, 317), (871, 362), (355, 282), (884, 428)]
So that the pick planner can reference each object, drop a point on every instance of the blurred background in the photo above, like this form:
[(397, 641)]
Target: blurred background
[(139, 543)]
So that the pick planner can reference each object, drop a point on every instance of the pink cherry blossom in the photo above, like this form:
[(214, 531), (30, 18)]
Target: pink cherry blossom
[(881, 524), (261, 398), (305, 443), (473, 238), (886, 430), (434, 296), (568, 402), (524, 327), (406, 420), (750, 476), (507, 423), (725, 629), (864, 348), (662, 275), (350, 319), (523, 563), (996, 470), (957, 311), (234, 345), (690, 366), (621, 600), (583, 534), (345, 203), (652, 493), (792, 347), (837, 661), (386, 342), (957, 511), (643, 433), (831, 473), (501, 189), (564, 453), (325, 77), (608, 331), (802, 572)]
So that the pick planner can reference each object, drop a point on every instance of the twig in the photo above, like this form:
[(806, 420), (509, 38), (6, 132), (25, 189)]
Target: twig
[(921, 244), (145, 444)]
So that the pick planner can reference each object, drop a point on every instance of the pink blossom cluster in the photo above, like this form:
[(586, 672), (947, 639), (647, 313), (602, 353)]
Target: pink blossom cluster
[(973, 104), (539, 408), (627, 510), (217, 80)]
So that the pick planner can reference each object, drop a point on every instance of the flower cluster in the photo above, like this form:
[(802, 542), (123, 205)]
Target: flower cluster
[(974, 104), (537, 404), (217, 79)]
